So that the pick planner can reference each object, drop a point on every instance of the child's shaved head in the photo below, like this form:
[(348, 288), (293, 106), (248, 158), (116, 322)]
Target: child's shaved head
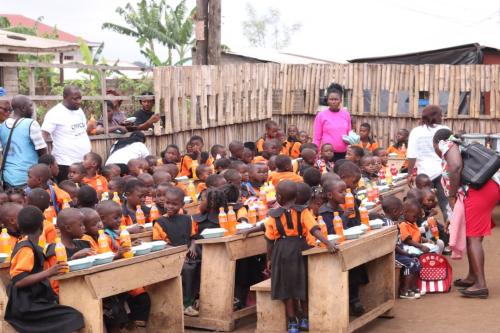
[(286, 192)]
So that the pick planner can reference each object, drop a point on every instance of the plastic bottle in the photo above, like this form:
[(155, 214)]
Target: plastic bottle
[(65, 204), (116, 198), (361, 183), (376, 192), (102, 241), (403, 148), (338, 226), (252, 215), (271, 192), (262, 211), (231, 220), (349, 202), (126, 241), (363, 214), (139, 215), (194, 165), (4, 242), (322, 226), (394, 170), (433, 227), (191, 192), (105, 196), (98, 185), (154, 213), (381, 174), (223, 222), (263, 197), (50, 214), (388, 176), (369, 193), (60, 250)]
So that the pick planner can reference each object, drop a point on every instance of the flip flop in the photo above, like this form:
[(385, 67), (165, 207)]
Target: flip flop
[(462, 284), (481, 293)]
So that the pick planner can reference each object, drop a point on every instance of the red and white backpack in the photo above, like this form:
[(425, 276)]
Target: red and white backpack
[(436, 274)]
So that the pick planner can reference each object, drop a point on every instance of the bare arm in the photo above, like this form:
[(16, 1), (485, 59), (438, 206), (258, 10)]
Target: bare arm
[(149, 123), (37, 277), (42, 151), (48, 139), (411, 166), (454, 161)]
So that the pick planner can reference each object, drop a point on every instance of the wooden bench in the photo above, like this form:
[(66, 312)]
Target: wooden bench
[(271, 316)]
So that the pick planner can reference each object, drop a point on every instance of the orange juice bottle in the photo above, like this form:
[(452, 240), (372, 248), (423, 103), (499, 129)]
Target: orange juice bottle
[(102, 242), (98, 186), (322, 226), (4, 242), (433, 227), (65, 204), (376, 192), (369, 193), (60, 250), (263, 197), (349, 202), (262, 211), (139, 216), (388, 176), (403, 149), (363, 213), (154, 213), (125, 240), (231, 220), (50, 214), (191, 192), (361, 183), (252, 215), (116, 198), (223, 221), (338, 226), (194, 165)]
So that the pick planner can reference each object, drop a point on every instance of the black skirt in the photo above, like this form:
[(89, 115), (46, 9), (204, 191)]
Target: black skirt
[(289, 269)]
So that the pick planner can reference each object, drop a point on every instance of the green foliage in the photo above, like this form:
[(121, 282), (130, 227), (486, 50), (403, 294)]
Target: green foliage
[(268, 30), (155, 22)]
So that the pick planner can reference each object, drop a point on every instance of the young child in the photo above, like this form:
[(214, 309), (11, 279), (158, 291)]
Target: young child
[(303, 137), (368, 169), (429, 204), (284, 171), (422, 181), (50, 161), (71, 188), (177, 230), (117, 184), (271, 164), (286, 241), (134, 194), (202, 173), (221, 164), (257, 176), (92, 163), (160, 196), (308, 156), (32, 304), (269, 148), (76, 173), (354, 154), (312, 177), (218, 151), (325, 163), (17, 195), (366, 139), (350, 174), (382, 154), (70, 225), (248, 155), (378, 164), (242, 168), (271, 133), (190, 161), (215, 181), (135, 167), (87, 197), (41, 199), (161, 177), (148, 182), (111, 171), (38, 177), (92, 224), (8, 220), (292, 142), (400, 146), (232, 176), (393, 208), (171, 155), (236, 148)]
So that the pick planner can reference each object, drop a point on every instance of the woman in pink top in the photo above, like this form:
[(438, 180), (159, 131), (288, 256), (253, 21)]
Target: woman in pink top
[(330, 124)]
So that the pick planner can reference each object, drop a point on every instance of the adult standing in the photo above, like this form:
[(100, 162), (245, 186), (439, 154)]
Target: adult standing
[(331, 123), (421, 152), (67, 125), (26, 143), (126, 149), (475, 205), (145, 117)]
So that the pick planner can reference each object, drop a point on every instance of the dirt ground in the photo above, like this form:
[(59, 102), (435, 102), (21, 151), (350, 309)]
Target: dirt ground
[(442, 312)]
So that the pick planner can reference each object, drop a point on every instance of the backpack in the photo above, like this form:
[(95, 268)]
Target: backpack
[(479, 164), (436, 274)]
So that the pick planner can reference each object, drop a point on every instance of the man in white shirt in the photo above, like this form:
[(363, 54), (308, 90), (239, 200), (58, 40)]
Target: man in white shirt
[(67, 125)]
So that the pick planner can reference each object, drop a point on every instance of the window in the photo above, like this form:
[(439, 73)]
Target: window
[(403, 102), (367, 100), (423, 100), (68, 57), (384, 101)]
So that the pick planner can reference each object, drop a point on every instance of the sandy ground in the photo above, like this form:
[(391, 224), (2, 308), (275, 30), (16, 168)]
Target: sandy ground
[(441, 312)]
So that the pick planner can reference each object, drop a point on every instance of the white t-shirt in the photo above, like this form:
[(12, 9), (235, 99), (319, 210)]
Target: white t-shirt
[(125, 154), (420, 147), (68, 129)]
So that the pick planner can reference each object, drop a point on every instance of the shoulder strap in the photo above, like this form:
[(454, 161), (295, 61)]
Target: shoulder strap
[(7, 146), (53, 198)]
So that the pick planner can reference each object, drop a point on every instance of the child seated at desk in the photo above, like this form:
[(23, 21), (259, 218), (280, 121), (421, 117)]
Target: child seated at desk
[(177, 230), (257, 176), (87, 197), (382, 154), (312, 177), (32, 305), (368, 169), (133, 198), (309, 159), (92, 163), (117, 184), (286, 232), (8, 220), (400, 146), (160, 196), (111, 171), (195, 157), (218, 151), (70, 225), (284, 171), (148, 188), (202, 172), (38, 177), (236, 149), (270, 148), (161, 177), (40, 198), (92, 224)]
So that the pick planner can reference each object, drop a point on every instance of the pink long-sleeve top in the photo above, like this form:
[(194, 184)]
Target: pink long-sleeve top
[(329, 127)]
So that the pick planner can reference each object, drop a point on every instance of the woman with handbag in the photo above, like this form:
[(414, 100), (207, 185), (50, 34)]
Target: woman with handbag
[(474, 204)]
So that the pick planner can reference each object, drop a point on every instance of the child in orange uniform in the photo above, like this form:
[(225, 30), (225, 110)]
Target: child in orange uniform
[(92, 163), (325, 163), (8, 220), (202, 172), (177, 230), (284, 171), (366, 139), (76, 173), (269, 148), (41, 199), (190, 161), (32, 305), (272, 130), (292, 142), (92, 224), (133, 196), (286, 231), (400, 146), (38, 177)]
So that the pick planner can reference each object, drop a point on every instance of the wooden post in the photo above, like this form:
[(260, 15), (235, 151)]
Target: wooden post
[(32, 87), (201, 32), (214, 27), (61, 69), (102, 74)]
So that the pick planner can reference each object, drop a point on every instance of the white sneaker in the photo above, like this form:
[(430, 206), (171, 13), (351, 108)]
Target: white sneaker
[(189, 311)]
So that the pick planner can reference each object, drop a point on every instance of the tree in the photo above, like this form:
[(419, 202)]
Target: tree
[(268, 30), (155, 22)]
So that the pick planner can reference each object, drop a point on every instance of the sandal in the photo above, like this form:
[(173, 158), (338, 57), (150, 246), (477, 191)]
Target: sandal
[(462, 283), (480, 293)]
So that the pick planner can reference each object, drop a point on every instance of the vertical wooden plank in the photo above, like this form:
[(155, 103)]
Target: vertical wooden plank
[(271, 71), (458, 82), (451, 90), (230, 93), (167, 98), (204, 97), (418, 73), (478, 80), (193, 99), (183, 96)]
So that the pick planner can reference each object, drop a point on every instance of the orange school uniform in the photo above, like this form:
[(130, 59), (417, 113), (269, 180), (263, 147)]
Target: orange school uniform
[(293, 149), (188, 166), (201, 187), (49, 232), (278, 216), (400, 153), (259, 159), (159, 233), (92, 182), (277, 177), (409, 230), (368, 146), (93, 243), (60, 195)]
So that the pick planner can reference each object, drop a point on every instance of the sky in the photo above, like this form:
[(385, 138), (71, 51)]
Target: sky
[(331, 30)]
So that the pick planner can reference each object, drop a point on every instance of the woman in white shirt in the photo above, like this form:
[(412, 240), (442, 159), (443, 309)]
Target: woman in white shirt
[(126, 149), (422, 155)]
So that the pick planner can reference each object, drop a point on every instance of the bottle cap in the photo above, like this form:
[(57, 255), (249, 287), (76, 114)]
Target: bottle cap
[(4, 230), (100, 231), (58, 239)]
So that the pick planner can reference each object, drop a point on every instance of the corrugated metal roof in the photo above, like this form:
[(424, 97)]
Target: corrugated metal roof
[(276, 56), (14, 43)]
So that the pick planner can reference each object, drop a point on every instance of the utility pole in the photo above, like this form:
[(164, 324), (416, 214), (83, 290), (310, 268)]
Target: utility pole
[(208, 32)]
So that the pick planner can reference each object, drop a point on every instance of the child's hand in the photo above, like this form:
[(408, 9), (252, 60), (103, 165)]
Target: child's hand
[(135, 229), (121, 251), (192, 252), (433, 212), (136, 242), (332, 248), (349, 212), (83, 253), (59, 268), (243, 232), (424, 249), (268, 266)]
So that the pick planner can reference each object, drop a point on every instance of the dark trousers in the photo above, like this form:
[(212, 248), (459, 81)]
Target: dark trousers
[(441, 196), (338, 156), (63, 173)]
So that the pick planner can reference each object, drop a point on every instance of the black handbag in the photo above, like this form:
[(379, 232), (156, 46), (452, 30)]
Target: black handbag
[(479, 164)]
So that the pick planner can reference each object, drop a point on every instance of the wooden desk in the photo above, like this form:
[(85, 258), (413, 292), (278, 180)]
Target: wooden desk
[(218, 270), (146, 236), (159, 272), (4, 298), (328, 281), (399, 190)]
